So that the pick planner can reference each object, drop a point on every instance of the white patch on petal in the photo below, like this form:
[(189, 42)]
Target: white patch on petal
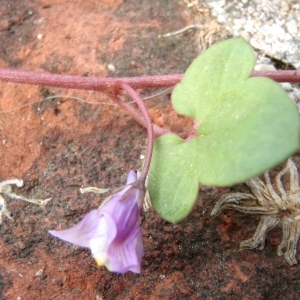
[(100, 242)]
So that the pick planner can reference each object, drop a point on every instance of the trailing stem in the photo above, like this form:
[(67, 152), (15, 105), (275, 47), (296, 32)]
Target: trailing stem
[(102, 84)]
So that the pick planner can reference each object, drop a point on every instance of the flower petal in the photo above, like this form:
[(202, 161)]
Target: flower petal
[(126, 256), (131, 177), (125, 251), (85, 230)]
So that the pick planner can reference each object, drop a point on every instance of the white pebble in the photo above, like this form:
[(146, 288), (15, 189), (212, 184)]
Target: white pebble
[(111, 68), (292, 27), (221, 19), (218, 11), (264, 67), (39, 272), (285, 6)]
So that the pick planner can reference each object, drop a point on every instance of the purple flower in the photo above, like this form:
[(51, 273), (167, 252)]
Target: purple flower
[(113, 232)]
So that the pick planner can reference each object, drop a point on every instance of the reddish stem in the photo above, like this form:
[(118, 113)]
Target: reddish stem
[(292, 76), (147, 120), (86, 83), (101, 84)]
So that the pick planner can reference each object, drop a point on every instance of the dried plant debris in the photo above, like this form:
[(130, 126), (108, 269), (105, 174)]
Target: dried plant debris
[(281, 207), (6, 190), (91, 189)]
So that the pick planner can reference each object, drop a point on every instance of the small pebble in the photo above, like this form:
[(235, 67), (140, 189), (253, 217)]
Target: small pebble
[(39, 273), (292, 27), (285, 6), (111, 68)]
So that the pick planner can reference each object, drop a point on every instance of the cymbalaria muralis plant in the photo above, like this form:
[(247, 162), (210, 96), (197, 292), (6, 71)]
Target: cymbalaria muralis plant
[(244, 125)]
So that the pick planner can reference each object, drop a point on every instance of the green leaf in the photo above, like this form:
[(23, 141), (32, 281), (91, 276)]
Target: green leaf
[(175, 180), (247, 126)]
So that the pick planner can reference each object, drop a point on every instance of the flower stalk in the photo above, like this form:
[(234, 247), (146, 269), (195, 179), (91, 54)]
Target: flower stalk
[(133, 94)]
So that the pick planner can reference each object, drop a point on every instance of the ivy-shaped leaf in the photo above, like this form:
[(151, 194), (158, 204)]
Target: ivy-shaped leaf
[(246, 126)]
